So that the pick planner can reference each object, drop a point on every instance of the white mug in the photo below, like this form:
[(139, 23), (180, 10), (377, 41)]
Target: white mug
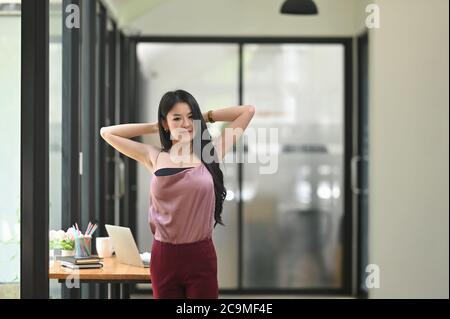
[(104, 247)]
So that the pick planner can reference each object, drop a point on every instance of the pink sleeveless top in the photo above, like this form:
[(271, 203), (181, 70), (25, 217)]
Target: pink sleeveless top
[(182, 206)]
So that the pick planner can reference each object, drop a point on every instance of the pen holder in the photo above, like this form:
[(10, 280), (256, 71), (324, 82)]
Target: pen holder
[(83, 246)]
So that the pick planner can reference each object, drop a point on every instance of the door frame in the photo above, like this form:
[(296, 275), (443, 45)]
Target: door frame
[(348, 220), (34, 150)]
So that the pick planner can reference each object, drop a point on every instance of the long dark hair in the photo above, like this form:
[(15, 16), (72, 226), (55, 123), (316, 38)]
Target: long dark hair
[(167, 102)]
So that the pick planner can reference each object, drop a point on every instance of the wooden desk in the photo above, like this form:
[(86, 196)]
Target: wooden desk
[(111, 273)]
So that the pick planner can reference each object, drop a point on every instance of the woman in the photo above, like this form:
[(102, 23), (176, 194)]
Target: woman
[(187, 190)]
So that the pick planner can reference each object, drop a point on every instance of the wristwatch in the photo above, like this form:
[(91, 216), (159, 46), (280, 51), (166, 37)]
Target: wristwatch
[(210, 119)]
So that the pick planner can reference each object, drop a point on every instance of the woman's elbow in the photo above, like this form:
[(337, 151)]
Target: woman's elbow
[(251, 110), (103, 132)]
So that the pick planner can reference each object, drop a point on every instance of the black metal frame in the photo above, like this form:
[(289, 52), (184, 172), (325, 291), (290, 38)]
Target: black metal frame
[(88, 121), (70, 124), (362, 214), (34, 183), (127, 114), (101, 117), (132, 165), (240, 175), (110, 120), (131, 117), (101, 290), (347, 227), (70, 200), (124, 118)]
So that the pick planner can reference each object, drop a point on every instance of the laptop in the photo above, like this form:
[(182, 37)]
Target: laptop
[(125, 246)]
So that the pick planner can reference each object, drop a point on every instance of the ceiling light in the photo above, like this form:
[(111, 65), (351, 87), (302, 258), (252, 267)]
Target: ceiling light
[(299, 7)]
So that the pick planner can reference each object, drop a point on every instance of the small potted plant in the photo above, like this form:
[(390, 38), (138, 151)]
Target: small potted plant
[(68, 243), (62, 241)]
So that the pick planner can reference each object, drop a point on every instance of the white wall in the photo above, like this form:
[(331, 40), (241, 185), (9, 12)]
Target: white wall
[(408, 124)]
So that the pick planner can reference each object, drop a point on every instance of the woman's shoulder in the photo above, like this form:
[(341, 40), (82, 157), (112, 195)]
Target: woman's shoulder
[(153, 155)]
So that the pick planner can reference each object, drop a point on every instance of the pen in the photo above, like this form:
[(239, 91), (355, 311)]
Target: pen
[(88, 228), (93, 230)]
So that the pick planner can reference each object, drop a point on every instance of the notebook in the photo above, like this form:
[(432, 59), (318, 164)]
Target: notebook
[(81, 260), (86, 266)]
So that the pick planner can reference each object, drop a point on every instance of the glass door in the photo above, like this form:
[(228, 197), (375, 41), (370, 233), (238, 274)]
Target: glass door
[(293, 217), (288, 217)]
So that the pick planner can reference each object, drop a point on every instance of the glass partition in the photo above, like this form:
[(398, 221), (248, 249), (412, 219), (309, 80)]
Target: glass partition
[(10, 48)]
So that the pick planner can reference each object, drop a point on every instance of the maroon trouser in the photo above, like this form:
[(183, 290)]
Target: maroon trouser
[(187, 270)]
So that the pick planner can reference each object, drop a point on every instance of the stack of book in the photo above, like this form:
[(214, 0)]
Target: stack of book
[(82, 262)]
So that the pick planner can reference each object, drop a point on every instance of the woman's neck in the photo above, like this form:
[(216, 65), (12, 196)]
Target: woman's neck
[(183, 157)]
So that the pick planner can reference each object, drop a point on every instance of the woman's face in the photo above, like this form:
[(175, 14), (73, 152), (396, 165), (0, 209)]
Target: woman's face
[(180, 123)]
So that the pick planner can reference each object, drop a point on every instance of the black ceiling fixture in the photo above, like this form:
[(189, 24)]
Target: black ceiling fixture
[(299, 7)]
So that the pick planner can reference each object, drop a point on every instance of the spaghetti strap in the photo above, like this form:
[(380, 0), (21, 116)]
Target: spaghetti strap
[(156, 160)]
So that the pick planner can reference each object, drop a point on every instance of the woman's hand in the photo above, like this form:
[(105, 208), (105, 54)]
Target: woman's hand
[(239, 116)]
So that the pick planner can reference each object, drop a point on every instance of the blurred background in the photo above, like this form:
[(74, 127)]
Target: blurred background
[(357, 92)]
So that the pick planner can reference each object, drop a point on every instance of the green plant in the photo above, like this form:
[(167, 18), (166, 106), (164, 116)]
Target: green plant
[(62, 240), (65, 244)]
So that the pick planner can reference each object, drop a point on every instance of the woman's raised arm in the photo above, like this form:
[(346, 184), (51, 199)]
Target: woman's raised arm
[(239, 116), (119, 137)]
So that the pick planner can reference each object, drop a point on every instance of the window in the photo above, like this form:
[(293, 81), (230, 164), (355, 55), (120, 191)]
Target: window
[(10, 59)]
